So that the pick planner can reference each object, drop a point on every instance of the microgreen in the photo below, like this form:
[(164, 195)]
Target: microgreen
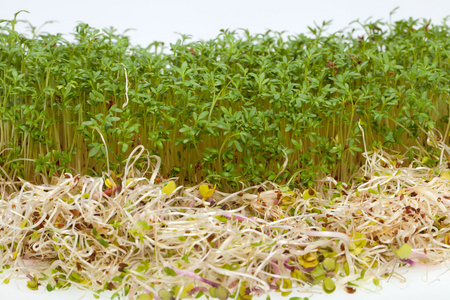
[(230, 109), (280, 122)]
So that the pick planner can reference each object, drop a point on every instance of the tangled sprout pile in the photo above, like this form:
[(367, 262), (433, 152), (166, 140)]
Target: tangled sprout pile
[(142, 236)]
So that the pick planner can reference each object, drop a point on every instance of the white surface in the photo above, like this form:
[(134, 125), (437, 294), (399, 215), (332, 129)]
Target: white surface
[(159, 20)]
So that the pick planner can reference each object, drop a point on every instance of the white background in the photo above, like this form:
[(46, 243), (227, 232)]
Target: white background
[(160, 20)]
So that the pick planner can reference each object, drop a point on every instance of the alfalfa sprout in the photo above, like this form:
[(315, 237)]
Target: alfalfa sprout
[(140, 235)]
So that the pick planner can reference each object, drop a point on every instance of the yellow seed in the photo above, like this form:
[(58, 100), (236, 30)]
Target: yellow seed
[(297, 274), (286, 284), (447, 239), (24, 223), (205, 191), (144, 297), (130, 183), (309, 193), (308, 260), (110, 183), (32, 285), (169, 188), (445, 174)]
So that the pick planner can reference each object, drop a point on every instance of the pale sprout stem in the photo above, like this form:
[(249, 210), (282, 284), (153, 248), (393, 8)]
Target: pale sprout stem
[(365, 147), (126, 85), (106, 149), (261, 232)]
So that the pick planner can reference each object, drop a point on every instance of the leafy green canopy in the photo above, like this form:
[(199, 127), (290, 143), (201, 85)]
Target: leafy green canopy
[(229, 110)]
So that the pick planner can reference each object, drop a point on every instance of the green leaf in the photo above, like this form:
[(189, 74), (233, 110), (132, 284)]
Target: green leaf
[(33, 284), (328, 285), (363, 273), (199, 294), (74, 276), (372, 191), (94, 151), (203, 115), (238, 146), (231, 267), (24, 223), (329, 264), (165, 295), (103, 242), (100, 239), (142, 225), (376, 281), (257, 244), (115, 295), (346, 268), (185, 258), (170, 271)]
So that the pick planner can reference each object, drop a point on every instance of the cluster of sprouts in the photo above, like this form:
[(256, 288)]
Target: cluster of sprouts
[(142, 236)]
